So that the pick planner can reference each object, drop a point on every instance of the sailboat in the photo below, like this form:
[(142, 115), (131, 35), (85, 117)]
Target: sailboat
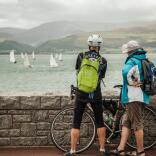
[(12, 57), (26, 61), (60, 57), (56, 56), (53, 63), (22, 56), (33, 55)]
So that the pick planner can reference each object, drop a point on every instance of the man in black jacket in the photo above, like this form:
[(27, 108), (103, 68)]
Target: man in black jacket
[(94, 98)]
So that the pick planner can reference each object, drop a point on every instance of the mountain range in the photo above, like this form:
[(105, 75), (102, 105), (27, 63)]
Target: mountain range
[(73, 35), (60, 29)]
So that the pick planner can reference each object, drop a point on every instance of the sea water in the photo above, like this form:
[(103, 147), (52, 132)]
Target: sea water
[(15, 79)]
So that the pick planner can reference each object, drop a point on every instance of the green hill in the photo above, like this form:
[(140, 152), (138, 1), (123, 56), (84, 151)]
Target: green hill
[(68, 43), (8, 45), (112, 40)]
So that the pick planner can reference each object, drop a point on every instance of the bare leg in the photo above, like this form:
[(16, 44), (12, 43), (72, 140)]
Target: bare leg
[(75, 133), (102, 136), (139, 140), (124, 137)]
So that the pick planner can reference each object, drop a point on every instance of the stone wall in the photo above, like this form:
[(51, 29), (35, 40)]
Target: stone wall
[(26, 121)]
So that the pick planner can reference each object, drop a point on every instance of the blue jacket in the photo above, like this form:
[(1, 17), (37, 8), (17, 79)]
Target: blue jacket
[(133, 69)]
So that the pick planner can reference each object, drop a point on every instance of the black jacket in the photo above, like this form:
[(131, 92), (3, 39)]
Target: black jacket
[(96, 95)]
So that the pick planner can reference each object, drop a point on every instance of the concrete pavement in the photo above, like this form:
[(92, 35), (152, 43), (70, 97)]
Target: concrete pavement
[(51, 151)]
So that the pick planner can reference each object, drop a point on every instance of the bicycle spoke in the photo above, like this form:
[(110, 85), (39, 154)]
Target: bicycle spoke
[(146, 116), (65, 140)]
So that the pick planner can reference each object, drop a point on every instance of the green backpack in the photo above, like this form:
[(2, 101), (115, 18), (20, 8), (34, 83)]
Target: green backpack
[(88, 77)]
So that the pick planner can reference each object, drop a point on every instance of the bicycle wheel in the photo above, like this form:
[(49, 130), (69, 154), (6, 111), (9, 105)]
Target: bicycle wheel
[(149, 123), (61, 127)]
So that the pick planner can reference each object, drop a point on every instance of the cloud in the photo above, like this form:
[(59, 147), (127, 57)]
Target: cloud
[(8, 1), (30, 13)]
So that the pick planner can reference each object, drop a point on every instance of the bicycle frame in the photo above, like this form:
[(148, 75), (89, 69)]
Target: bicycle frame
[(111, 130)]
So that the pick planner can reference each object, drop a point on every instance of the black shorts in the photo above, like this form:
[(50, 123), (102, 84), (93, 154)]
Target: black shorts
[(80, 108)]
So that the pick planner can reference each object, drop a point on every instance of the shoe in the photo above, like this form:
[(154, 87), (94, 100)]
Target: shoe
[(142, 153), (69, 154), (131, 153), (117, 152), (135, 153), (104, 153)]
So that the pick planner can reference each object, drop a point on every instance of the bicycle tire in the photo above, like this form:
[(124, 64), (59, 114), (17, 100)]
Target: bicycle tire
[(61, 127), (149, 123)]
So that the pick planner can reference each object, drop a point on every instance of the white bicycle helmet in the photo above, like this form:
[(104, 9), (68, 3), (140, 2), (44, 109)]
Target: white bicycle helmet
[(95, 40)]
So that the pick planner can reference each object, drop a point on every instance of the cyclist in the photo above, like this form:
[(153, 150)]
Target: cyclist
[(133, 97), (95, 98)]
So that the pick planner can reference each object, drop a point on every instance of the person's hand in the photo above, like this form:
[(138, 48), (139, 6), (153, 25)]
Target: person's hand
[(136, 83)]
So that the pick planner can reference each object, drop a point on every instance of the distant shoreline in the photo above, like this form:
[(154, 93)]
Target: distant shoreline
[(71, 53)]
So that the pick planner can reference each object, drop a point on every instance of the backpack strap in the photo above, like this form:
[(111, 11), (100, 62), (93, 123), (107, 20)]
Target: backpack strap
[(84, 55), (144, 67), (100, 58)]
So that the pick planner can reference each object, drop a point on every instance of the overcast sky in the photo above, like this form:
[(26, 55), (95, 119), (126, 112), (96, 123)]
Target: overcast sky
[(31, 13)]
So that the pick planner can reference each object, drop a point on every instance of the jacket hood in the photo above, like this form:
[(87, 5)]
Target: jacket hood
[(140, 57), (138, 54)]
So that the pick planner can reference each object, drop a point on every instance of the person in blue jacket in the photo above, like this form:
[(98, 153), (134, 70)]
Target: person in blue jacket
[(133, 97)]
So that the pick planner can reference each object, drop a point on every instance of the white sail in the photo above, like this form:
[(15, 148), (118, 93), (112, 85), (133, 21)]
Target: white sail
[(26, 61), (51, 60), (12, 56), (53, 63), (33, 55), (60, 57), (22, 56), (56, 56)]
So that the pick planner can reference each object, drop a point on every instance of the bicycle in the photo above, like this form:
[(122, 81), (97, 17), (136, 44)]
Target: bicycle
[(113, 113)]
